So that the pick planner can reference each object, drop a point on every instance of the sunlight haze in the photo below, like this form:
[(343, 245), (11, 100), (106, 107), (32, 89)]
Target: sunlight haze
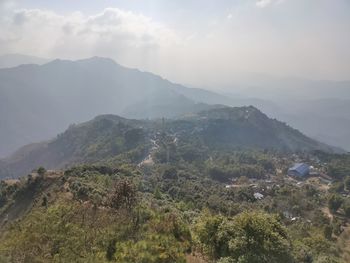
[(213, 40)]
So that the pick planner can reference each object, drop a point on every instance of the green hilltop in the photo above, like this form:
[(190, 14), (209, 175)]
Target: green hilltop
[(108, 136)]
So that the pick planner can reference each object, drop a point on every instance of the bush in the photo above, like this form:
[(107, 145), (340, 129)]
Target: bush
[(41, 171), (249, 237), (346, 208), (334, 202)]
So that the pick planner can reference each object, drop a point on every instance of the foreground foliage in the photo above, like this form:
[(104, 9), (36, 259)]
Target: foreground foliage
[(116, 211)]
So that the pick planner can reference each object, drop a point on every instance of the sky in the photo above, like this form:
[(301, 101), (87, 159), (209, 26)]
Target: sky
[(198, 42)]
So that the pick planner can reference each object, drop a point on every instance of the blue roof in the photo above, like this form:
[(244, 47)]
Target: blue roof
[(300, 168)]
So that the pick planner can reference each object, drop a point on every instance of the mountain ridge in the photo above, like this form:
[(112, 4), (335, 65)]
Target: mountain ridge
[(14, 60), (107, 136), (71, 92), (39, 101)]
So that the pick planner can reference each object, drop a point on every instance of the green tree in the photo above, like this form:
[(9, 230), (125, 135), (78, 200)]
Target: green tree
[(41, 171), (337, 187), (346, 208), (250, 237), (256, 238), (334, 202), (44, 201), (327, 231), (326, 259), (157, 193), (154, 249), (347, 183), (124, 195), (207, 230)]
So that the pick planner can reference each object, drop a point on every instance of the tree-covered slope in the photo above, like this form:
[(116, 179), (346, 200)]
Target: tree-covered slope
[(175, 212), (245, 127), (101, 138), (108, 136)]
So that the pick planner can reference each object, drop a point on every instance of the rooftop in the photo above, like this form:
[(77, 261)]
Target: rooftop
[(300, 168)]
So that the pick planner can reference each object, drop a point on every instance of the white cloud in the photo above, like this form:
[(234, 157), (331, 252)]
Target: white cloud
[(264, 3), (43, 32), (209, 50), (7, 4)]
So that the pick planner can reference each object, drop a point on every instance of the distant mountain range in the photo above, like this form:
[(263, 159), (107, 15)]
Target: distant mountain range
[(319, 108), (14, 60), (39, 101), (107, 136)]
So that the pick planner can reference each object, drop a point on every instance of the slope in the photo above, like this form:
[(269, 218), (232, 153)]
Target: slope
[(108, 136), (37, 102), (14, 60)]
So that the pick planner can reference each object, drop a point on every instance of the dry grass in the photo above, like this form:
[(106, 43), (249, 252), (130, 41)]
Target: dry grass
[(12, 181), (195, 258), (344, 244)]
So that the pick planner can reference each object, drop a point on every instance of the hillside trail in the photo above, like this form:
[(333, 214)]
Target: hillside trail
[(148, 160)]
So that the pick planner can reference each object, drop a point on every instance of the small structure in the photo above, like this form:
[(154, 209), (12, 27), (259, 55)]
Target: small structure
[(258, 196), (299, 170), (287, 214)]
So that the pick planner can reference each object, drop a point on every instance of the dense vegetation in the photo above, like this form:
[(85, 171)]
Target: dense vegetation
[(177, 193), (175, 210), (107, 136)]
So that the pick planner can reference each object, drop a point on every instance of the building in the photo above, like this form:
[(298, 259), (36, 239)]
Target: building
[(299, 170), (258, 196)]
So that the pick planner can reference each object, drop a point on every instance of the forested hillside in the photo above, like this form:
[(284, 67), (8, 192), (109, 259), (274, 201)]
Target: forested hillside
[(197, 205), (108, 136), (175, 131)]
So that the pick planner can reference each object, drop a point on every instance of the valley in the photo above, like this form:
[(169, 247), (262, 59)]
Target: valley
[(72, 92), (175, 131), (123, 190)]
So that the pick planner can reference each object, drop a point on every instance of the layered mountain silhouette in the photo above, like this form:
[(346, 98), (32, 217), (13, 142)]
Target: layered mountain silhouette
[(14, 60), (39, 101)]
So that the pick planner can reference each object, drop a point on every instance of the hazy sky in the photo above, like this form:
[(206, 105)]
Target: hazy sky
[(196, 42)]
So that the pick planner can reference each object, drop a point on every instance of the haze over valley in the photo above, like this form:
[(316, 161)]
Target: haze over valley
[(175, 131), (40, 101)]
